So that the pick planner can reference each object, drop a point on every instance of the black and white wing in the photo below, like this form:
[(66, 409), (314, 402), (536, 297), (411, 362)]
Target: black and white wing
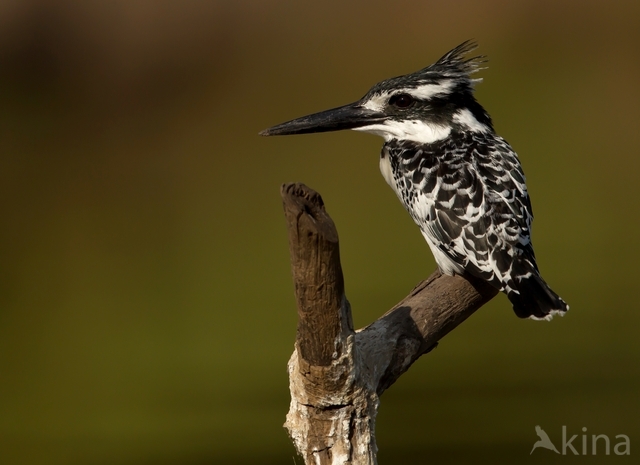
[(469, 198)]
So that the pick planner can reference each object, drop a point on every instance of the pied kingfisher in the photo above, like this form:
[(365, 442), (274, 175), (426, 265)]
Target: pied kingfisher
[(461, 183)]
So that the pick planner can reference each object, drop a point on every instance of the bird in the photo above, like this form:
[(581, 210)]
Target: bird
[(461, 183)]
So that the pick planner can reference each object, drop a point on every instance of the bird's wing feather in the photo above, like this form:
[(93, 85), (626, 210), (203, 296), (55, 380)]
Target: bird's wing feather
[(472, 203)]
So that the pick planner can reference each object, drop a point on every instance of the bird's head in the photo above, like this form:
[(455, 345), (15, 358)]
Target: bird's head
[(424, 106)]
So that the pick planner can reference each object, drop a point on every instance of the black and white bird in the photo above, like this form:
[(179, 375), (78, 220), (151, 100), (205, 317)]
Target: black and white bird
[(461, 183)]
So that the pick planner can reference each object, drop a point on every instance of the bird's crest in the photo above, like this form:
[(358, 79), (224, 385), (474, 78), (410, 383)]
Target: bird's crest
[(452, 67), (454, 64)]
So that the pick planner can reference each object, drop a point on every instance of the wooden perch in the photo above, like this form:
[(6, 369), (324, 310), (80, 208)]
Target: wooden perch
[(336, 374)]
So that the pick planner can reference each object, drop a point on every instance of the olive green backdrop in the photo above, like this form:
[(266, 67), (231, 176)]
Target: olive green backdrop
[(146, 308)]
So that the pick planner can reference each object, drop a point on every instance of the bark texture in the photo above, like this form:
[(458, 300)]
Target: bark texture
[(336, 374)]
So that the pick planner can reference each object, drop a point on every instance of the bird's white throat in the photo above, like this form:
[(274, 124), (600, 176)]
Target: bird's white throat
[(413, 130)]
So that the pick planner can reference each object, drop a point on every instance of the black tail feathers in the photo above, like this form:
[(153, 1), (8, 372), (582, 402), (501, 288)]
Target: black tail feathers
[(535, 299)]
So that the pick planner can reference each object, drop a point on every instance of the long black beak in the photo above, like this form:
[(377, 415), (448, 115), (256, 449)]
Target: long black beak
[(347, 117)]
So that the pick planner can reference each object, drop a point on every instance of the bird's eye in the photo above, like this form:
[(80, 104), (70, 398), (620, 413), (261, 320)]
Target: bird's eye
[(401, 100)]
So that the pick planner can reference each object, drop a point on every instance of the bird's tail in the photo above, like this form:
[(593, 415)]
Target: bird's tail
[(534, 299)]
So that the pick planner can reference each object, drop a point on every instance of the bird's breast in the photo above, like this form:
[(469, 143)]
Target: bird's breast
[(400, 180), (385, 168)]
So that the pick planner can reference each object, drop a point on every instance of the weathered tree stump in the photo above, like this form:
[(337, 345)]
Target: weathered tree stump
[(336, 374)]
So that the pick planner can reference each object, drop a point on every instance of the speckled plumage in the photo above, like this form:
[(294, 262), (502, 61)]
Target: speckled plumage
[(467, 194)]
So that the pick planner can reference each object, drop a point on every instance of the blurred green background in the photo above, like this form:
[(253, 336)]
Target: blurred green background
[(146, 308)]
